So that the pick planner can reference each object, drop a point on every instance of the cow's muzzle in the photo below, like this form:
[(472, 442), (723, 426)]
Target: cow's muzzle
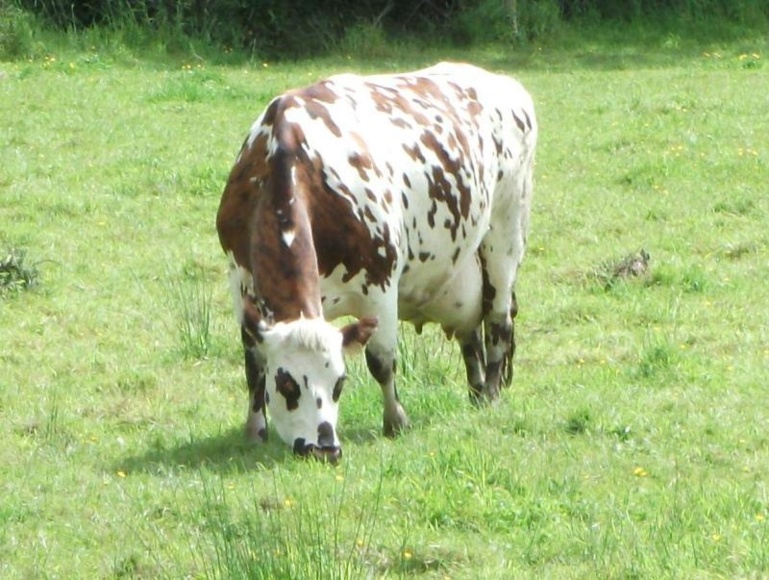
[(324, 453)]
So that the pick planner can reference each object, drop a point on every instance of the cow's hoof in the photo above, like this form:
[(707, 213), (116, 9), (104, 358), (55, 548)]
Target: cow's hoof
[(395, 421)]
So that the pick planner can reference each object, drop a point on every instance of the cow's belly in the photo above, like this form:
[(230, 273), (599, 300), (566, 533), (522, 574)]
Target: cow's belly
[(450, 297), (443, 288)]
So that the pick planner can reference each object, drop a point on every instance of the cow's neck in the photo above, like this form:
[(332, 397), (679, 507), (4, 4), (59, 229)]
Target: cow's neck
[(283, 253)]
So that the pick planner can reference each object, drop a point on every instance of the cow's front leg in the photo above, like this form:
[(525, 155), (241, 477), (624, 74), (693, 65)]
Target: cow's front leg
[(500, 308), (381, 361), (256, 420)]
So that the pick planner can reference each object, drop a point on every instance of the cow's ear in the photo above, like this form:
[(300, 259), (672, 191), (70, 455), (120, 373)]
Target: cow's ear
[(253, 323), (356, 335)]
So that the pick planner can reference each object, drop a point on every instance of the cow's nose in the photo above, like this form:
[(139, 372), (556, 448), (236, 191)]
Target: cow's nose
[(326, 435), (325, 453)]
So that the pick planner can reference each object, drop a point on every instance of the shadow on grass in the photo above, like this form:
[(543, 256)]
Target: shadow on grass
[(359, 436), (226, 452)]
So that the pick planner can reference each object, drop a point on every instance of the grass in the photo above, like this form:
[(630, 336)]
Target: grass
[(633, 440)]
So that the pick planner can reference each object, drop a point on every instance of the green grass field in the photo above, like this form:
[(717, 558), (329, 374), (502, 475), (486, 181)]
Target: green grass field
[(633, 443)]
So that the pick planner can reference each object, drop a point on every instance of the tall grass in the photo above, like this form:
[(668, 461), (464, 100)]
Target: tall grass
[(266, 534), (190, 301)]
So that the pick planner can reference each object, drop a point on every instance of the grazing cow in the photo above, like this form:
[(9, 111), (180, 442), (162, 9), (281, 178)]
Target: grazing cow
[(387, 197)]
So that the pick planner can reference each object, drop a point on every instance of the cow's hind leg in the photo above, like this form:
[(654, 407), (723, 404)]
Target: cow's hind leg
[(256, 420), (507, 368), (500, 348), (475, 363), (501, 256)]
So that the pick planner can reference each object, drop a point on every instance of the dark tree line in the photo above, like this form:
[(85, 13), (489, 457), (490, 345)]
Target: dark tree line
[(299, 27)]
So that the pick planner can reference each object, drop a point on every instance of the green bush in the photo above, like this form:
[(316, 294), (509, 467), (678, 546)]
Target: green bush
[(365, 40), (17, 37)]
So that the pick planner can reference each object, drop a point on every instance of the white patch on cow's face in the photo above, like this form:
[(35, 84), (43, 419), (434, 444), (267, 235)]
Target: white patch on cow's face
[(288, 237), (304, 371)]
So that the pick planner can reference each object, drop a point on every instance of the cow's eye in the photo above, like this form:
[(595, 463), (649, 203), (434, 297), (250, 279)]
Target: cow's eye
[(288, 387), (338, 388)]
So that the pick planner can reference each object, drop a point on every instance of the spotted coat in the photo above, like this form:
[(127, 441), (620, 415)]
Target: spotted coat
[(403, 196)]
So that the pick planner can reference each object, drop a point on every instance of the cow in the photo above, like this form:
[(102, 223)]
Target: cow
[(379, 198)]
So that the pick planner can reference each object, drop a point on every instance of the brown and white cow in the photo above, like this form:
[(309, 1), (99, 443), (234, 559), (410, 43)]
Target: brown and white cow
[(388, 197)]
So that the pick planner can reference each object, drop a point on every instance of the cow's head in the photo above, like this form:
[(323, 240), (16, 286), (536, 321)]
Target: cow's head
[(304, 374)]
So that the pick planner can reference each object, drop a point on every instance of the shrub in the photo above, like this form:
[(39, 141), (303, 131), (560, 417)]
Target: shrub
[(16, 275)]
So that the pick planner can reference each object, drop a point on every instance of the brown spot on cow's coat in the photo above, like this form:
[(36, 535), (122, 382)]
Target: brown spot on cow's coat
[(401, 123), (489, 292), (498, 146), (406, 181), (457, 200), (314, 100), (318, 110), (404, 200), (431, 213), (380, 371), (414, 152), (362, 163), (521, 125), (528, 119)]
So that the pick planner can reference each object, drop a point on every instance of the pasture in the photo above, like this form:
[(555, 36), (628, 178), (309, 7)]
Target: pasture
[(633, 442)]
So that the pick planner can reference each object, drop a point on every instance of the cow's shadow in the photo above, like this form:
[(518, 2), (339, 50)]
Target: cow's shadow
[(226, 452)]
